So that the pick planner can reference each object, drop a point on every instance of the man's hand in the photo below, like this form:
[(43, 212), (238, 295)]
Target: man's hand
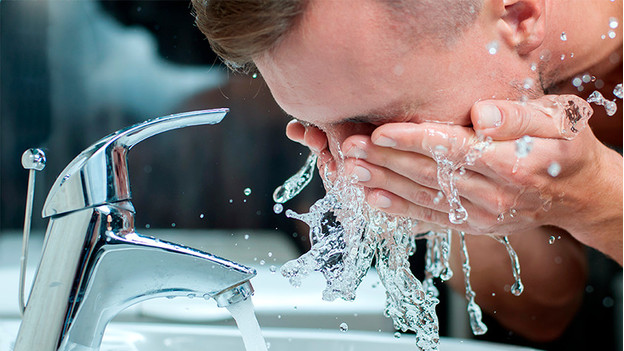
[(502, 191)]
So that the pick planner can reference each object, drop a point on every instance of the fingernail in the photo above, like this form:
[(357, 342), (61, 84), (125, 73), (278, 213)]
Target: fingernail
[(489, 116), (356, 152), (362, 174), (384, 141), (381, 201)]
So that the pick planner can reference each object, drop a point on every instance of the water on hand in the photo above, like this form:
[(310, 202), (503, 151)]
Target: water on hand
[(243, 314), (346, 234)]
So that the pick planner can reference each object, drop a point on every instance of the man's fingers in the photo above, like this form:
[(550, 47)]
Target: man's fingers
[(557, 117), (295, 131), (309, 136)]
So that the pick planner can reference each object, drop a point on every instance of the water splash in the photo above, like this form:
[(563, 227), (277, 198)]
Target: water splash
[(598, 99), (617, 91), (517, 288), (474, 311), (346, 233), (449, 162), (293, 185), (569, 113)]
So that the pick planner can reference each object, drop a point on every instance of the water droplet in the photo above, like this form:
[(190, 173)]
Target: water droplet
[(586, 78), (617, 91), (545, 55), (562, 57), (564, 37), (528, 83), (603, 37), (254, 76), (147, 226), (191, 295), (598, 99), (492, 47), (173, 225), (201, 215), (524, 145), (278, 208), (170, 297), (613, 22), (571, 55), (438, 198), (533, 66), (397, 335), (230, 201), (246, 237), (139, 9), (599, 83), (554, 169), (608, 302), (551, 240), (611, 34), (577, 82), (270, 254), (262, 262), (273, 269), (344, 327), (247, 191)]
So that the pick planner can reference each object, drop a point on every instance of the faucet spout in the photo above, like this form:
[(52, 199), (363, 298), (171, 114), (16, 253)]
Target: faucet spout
[(77, 294), (131, 268)]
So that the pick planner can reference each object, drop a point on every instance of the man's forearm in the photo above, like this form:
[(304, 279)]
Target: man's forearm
[(597, 221)]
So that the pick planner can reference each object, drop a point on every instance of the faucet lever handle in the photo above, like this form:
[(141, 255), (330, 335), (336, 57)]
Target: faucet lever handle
[(99, 174)]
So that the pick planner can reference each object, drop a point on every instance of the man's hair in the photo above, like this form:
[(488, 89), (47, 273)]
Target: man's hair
[(239, 30)]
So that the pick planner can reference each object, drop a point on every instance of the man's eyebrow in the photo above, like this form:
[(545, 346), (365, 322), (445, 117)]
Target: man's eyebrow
[(368, 118)]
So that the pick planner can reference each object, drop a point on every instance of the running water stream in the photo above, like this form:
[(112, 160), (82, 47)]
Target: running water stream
[(243, 314)]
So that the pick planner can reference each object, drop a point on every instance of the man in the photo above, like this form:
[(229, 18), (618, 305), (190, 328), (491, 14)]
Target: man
[(387, 81)]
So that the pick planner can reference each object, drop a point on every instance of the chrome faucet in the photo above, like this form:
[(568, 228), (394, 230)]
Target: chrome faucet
[(94, 264)]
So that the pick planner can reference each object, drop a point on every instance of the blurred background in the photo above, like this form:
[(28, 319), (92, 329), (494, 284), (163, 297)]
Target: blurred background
[(74, 71)]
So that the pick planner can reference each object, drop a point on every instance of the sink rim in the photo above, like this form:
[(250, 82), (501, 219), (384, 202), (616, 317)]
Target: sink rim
[(119, 331)]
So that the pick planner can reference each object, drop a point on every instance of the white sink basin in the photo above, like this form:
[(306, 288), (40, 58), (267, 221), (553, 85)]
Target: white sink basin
[(175, 337)]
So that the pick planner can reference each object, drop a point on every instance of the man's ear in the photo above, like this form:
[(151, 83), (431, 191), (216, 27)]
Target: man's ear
[(522, 24)]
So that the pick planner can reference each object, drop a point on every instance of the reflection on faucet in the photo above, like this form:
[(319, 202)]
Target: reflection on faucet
[(94, 264)]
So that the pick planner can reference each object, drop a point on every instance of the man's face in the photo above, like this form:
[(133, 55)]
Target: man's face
[(346, 69)]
